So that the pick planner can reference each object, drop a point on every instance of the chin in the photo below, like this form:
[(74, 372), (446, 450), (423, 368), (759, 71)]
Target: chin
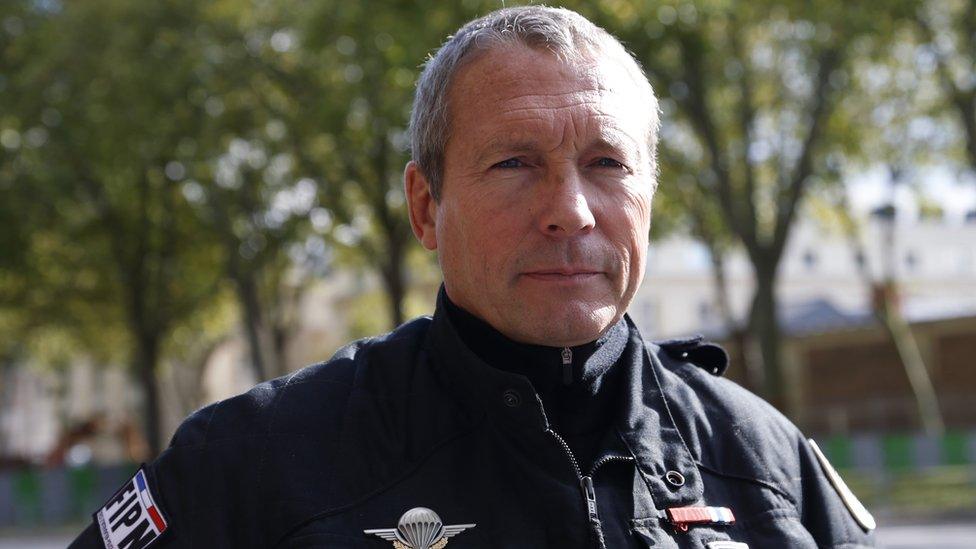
[(569, 328)]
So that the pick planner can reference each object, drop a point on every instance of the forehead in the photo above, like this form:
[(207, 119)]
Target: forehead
[(517, 88)]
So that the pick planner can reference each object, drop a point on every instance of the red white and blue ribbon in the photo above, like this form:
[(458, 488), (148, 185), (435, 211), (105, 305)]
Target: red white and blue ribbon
[(148, 503), (683, 517)]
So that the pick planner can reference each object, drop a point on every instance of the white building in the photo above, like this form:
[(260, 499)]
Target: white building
[(934, 261)]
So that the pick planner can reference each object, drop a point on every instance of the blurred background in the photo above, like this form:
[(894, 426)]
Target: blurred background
[(197, 196)]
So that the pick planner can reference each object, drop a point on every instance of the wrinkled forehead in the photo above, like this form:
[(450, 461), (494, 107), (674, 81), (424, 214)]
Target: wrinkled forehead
[(515, 84), (531, 66)]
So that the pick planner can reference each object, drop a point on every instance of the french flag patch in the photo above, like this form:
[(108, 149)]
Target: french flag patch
[(683, 517), (131, 519)]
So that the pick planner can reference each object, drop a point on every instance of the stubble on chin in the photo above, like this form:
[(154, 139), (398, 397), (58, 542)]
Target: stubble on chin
[(559, 322)]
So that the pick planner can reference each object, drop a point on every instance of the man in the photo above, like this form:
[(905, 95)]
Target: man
[(528, 412)]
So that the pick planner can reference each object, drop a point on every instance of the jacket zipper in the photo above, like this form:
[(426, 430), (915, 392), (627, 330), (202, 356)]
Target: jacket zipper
[(567, 356), (586, 485)]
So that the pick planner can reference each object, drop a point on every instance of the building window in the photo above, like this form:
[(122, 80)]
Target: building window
[(964, 265), (911, 261), (810, 260), (704, 312)]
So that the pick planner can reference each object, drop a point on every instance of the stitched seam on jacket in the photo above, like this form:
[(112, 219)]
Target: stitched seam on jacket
[(686, 372), (765, 484)]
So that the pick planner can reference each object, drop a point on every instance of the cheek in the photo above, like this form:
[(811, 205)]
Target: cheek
[(478, 237), (629, 216)]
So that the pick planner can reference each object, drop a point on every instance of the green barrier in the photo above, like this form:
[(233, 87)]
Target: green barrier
[(27, 496), (838, 450), (82, 482), (954, 450), (897, 452)]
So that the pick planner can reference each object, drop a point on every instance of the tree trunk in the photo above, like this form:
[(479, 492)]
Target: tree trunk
[(394, 278), (146, 354), (886, 306), (737, 336), (889, 315), (279, 336), (259, 341), (766, 335)]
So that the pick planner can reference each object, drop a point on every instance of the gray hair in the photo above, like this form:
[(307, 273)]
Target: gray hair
[(565, 33)]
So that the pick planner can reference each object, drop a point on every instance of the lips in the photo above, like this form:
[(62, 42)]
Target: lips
[(562, 274)]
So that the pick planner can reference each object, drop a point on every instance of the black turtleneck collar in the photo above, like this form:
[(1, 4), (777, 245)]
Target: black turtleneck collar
[(579, 401), (544, 366)]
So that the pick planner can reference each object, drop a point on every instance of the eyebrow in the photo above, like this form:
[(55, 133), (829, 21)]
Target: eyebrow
[(607, 141), (496, 145)]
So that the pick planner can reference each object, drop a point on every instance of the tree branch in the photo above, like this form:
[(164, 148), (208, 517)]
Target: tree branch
[(747, 117), (696, 107), (964, 101), (822, 102)]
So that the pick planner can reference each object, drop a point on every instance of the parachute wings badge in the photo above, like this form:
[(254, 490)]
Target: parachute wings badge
[(419, 528)]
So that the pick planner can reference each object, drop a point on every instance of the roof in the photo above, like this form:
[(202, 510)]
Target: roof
[(820, 315)]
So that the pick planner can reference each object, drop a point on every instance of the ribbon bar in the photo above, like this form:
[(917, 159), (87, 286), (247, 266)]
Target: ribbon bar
[(682, 517)]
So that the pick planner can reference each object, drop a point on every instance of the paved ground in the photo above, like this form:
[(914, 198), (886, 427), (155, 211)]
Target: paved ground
[(927, 536)]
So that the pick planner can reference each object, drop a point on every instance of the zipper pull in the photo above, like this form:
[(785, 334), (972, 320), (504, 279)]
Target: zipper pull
[(567, 355), (586, 483)]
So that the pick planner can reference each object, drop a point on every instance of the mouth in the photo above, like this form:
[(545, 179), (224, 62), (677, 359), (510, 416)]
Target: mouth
[(562, 275)]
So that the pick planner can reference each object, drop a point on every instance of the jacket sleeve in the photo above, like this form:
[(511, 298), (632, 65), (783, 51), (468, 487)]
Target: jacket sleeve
[(828, 509), (203, 484)]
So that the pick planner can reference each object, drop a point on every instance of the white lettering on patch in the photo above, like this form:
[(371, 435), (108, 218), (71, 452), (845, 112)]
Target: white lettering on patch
[(131, 519)]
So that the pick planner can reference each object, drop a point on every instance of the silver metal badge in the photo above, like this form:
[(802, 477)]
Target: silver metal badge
[(419, 528)]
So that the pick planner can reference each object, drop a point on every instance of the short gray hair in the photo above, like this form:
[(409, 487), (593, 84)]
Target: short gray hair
[(565, 33)]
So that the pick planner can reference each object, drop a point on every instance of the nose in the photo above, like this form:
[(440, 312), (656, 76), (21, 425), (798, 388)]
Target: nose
[(565, 209)]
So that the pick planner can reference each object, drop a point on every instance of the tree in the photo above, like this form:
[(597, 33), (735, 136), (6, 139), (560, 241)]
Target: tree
[(750, 89), (948, 31), (111, 131), (244, 182), (346, 90)]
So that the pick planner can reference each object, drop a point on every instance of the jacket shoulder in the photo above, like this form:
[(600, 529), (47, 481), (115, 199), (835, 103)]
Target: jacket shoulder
[(322, 386), (240, 471), (731, 430), (736, 434)]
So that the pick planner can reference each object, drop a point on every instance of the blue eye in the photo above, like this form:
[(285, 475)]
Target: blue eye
[(509, 163), (606, 162)]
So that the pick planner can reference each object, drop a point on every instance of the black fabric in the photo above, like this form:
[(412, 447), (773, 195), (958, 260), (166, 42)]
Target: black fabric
[(581, 406), (415, 418), (708, 356)]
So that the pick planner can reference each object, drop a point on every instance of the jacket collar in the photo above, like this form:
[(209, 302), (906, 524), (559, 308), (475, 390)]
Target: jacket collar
[(644, 418), (546, 367)]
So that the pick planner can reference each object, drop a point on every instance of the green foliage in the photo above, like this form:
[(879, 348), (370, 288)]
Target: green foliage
[(159, 160), (945, 55)]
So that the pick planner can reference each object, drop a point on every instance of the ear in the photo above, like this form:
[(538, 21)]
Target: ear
[(421, 205)]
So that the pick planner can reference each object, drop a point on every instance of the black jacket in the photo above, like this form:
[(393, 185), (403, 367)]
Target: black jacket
[(414, 419)]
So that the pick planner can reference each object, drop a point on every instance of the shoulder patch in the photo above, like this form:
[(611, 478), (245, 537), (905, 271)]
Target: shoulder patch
[(131, 519), (857, 509), (707, 356)]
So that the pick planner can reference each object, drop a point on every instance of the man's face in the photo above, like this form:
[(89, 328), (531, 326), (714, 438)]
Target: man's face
[(544, 215)]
